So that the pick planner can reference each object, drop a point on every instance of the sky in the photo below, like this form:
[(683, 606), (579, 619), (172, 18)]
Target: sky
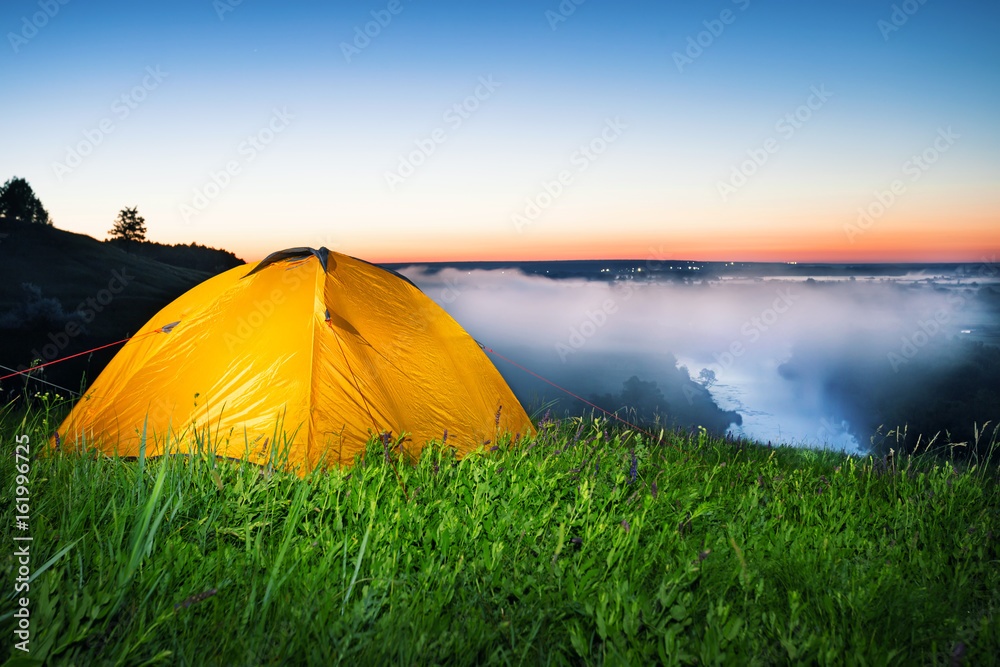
[(418, 130)]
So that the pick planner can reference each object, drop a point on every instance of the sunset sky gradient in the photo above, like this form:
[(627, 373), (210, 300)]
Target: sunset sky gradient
[(598, 130)]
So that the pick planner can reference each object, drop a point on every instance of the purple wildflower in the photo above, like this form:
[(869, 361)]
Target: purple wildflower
[(196, 598), (685, 524), (576, 540), (626, 526), (444, 438), (496, 420), (386, 437), (958, 653), (57, 441), (653, 489), (633, 469)]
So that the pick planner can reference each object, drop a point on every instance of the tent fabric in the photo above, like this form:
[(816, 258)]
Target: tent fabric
[(324, 358)]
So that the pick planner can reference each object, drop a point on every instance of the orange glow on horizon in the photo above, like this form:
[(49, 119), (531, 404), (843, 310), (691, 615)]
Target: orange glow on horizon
[(978, 244)]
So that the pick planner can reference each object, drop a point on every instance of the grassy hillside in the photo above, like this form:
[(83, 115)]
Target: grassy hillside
[(75, 278), (190, 256), (586, 545)]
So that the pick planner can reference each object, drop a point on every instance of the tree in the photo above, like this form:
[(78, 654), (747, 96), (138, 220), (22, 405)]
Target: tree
[(129, 225), (18, 201)]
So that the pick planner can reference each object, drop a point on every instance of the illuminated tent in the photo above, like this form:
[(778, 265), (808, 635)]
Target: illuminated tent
[(308, 349)]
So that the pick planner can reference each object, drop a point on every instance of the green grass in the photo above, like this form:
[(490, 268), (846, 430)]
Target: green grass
[(546, 551)]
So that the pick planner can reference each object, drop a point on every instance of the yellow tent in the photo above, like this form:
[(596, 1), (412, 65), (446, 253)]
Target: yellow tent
[(323, 349)]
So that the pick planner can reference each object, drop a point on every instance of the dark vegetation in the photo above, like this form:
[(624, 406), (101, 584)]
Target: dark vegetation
[(129, 226), (947, 389), (678, 403), (18, 202), (191, 256)]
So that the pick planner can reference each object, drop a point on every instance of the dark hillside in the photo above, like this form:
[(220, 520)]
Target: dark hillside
[(192, 256), (63, 293)]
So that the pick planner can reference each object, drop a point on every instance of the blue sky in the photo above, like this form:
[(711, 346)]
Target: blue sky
[(332, 130)]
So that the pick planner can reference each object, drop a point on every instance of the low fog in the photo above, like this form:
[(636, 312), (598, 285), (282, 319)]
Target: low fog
[(816, 363)]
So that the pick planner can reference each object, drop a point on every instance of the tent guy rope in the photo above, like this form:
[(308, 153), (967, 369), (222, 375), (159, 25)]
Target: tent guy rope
[(164, 329)]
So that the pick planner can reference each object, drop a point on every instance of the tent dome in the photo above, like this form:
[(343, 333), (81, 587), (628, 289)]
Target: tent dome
[(308, 351)]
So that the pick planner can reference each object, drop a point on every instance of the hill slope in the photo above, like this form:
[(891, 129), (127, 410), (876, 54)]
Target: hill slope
[(63, 293)]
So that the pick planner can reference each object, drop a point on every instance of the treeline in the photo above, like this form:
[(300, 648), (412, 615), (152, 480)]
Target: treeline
[(190, 256)]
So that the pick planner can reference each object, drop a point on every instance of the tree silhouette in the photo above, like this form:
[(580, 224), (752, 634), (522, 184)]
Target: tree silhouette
[(18, 201), (129, 225)]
